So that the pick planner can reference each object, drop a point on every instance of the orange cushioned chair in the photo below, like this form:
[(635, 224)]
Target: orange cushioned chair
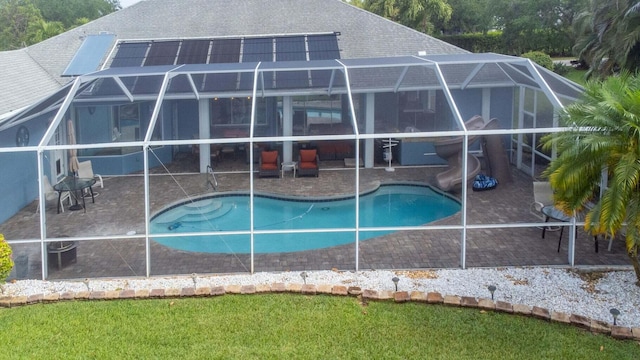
[(309, 163), (269, 164)]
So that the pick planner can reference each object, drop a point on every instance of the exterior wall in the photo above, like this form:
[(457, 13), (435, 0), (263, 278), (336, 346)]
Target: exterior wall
[(18, 175), (502, 108), (469, 102), (19, 179), (20, 169), (502, 100), (93, 128)]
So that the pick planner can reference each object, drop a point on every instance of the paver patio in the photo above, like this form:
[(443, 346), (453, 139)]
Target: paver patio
[(119, 208)]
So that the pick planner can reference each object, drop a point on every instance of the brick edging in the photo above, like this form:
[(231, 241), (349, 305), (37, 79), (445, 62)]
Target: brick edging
[(595, 326)]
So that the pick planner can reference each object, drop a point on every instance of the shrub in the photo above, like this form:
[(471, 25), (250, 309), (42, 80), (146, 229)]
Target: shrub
[(561, 69), (6, 262), (539, 58)]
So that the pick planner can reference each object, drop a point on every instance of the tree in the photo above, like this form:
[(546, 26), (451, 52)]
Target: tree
[(420, 15), (25, 22), (604, 134), (67, 11), (468, 16), (15, 17), (609, 36), (521, 19), (41, 30)]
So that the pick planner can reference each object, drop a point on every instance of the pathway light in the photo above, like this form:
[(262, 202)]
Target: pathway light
[(492, 289), (395, 280), (615, 312)]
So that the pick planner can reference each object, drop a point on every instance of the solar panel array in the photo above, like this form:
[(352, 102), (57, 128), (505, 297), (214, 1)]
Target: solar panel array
[(227, 50)]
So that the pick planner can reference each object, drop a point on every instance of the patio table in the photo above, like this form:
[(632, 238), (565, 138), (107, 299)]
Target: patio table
[(74, 186), (551, 212)]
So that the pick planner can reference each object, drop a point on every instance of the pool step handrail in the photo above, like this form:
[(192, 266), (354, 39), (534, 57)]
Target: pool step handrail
[(213, 182)]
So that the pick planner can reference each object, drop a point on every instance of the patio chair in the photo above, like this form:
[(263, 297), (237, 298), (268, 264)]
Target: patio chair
[(542, 196), (85, 171), (51, 195), (269, 164), (309, 162)]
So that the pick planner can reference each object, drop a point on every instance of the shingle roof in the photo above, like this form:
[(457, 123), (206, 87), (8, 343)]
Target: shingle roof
[(362, 34), (23, 80)]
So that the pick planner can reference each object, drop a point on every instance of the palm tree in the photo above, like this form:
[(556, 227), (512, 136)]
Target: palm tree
[(416, 14), (41, 30), (604, 133), (608, 35)]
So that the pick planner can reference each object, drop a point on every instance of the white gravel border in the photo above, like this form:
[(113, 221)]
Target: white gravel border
[(560, 290)]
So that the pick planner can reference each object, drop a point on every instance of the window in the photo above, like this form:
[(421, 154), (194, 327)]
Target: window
[(126, 123), (236, 111)]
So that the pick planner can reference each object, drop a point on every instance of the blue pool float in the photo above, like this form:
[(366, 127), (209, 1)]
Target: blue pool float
[(483, 182)]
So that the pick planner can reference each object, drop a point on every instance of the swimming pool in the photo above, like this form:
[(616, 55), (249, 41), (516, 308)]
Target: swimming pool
[(392, 205)]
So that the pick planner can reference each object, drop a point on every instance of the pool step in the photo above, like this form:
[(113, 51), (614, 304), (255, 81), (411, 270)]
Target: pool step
[(205, 203), (208, 216), (204, 209)]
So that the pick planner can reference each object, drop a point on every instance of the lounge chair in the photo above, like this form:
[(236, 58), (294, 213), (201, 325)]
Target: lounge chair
[(269, 164), (85, 171), (542, 196), (308, 164), (51, 195)]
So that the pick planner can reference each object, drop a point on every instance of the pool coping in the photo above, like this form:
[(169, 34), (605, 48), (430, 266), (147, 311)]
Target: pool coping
[(327, 198), (294, 198)]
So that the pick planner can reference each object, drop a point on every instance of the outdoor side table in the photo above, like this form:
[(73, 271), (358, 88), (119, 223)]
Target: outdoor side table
[(288, 165)]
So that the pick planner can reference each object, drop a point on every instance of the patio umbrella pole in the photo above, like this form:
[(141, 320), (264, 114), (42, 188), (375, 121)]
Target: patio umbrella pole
[(74, 164)]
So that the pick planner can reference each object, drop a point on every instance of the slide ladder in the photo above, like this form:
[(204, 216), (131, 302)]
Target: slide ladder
[(450, 149)]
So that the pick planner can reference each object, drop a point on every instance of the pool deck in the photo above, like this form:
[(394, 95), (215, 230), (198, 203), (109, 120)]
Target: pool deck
[(119, 209)]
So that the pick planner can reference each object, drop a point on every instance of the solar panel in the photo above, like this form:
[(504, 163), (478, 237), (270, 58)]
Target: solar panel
[(162, 53), (89, 56), (106, 87), (217, 82), (179, 84), (291, 48), (225, 51), (147, 85), (194, 52), (257, 49), (323, 47), (130, 54)]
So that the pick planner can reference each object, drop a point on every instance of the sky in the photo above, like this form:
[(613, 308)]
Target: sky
[(126, 3)]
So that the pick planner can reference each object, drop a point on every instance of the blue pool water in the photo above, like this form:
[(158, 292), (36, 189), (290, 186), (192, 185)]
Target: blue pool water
[(388, 206)]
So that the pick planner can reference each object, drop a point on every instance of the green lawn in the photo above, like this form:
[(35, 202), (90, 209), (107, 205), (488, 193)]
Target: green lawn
[(287, 326), (576, 76)]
